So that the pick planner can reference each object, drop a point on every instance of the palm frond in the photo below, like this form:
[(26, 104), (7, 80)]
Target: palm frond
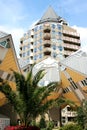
[(38, 76), (63, 102)]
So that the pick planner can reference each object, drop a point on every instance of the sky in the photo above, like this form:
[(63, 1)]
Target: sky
[(17, 16)]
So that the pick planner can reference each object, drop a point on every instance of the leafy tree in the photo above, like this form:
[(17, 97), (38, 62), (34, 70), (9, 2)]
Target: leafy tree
[(29, 100), (82, 115), (42, 123), (71, 126)]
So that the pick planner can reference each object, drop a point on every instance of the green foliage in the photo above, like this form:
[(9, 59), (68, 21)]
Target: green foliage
[(42, 123), (82, 115), (50, 125), (28, 98), (71, 126)]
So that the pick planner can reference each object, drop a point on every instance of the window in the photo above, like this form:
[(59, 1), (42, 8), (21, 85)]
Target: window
[(40, 40), (35, 50), (60, 48), (35, 43), (60, 34), (23, 55), (84, 83), (24, 47), (53, 31), (59, 27), (54, 47), (3, 43), (53, 34), (40, 48), (69, 109), (54, 55), (28, 53), (35, 29), (41, 34), (40, 55), (8, 76), (28, 46), (53, 26), (40, 27), (60, 41), (35, 36), (35, 57)]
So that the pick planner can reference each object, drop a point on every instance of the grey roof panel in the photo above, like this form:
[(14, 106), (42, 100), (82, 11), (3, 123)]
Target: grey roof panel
[(77, 61), (50, 13), (3, 34)]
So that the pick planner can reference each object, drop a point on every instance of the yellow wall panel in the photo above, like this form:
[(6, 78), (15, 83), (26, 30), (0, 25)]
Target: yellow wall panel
[(65, 82), (71, 96), (75, 75), (9, 62)]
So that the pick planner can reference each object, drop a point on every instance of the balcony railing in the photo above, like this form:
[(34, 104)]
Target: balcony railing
[(71, 33), (71, 40)]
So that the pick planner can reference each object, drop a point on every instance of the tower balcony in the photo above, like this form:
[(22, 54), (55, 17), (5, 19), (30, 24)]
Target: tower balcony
[(73, 40), (47, 53), (69, 33), (47, 28), (47, 36), (47, 43)]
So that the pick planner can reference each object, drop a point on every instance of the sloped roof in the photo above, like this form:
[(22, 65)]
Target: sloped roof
[(49, 15), (77, 61), (3, 34), (50, 65)]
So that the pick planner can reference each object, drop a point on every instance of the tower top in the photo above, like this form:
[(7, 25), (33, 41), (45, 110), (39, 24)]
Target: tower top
[(50, 16)]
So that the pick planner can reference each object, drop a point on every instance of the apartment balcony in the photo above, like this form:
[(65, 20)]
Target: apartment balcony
[(72, 47), (47, 28), (47, 36), (74, 34), (69, 114), (47, 53), (67, 53), (47, 49), (47, 43), (72, 40)]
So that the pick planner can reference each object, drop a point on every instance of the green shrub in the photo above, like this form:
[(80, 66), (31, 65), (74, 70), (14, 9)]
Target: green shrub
[(42, 123), (71, 126), (50, 125)]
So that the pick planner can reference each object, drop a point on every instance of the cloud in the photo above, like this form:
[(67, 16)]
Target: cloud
[(16, 33), (83, 34)]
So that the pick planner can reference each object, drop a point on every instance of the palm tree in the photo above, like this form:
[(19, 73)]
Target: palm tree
[(29, 100)]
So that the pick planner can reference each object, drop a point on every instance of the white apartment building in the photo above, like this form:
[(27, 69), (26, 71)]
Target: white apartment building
[(51, 36)]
